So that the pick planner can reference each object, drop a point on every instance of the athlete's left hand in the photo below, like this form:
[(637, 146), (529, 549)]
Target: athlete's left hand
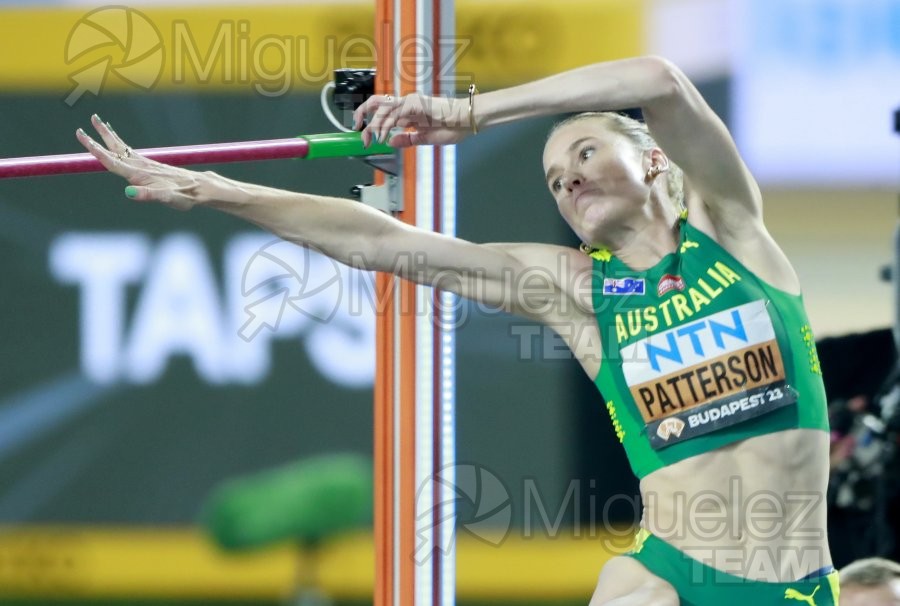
[(427, 120), (175, 187)]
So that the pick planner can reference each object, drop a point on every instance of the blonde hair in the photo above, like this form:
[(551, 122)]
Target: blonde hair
[(636, 132), (870, 572)]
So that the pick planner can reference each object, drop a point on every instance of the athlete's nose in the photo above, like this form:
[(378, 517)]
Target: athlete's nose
[(573, 182)]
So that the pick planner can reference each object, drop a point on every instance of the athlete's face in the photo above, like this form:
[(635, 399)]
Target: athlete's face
[(595, 175)]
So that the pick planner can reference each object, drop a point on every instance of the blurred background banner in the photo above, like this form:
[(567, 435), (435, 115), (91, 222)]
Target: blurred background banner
[(271, 49), (815, 84), (148, 355)]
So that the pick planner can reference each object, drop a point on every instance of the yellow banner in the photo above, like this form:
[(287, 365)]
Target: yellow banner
[(271, 50), (179, 563), (510, 42)]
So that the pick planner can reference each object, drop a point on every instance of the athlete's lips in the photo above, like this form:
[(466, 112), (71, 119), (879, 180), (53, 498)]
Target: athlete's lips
[(577, 202)]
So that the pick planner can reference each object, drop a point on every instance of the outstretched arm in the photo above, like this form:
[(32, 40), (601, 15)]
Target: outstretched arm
[(518, 278), (678, 117), (724, 199)]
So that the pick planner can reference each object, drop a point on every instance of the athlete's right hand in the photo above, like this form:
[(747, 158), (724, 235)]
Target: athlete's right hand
[(425, 120)]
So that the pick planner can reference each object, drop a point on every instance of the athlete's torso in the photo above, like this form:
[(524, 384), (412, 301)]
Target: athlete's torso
[(698, 353), (743, 491)]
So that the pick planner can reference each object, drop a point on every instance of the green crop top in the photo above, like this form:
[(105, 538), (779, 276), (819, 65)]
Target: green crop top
[(698, 353)]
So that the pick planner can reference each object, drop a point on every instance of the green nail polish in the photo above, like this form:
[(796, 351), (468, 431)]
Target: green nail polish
[(131, 191)]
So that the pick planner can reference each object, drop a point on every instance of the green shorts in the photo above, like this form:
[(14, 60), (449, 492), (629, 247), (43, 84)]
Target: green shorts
[(700, 585)]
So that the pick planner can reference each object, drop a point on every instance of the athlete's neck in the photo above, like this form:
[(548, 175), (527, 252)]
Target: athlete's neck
[(644, 245)]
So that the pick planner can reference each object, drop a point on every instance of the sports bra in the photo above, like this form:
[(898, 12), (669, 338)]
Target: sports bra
[(699, 353)]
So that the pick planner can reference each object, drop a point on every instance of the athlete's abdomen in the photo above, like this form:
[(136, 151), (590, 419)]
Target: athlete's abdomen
[(755, 508)]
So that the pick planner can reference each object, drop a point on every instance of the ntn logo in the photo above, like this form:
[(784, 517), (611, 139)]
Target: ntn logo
[(690, 334), (694, 342)]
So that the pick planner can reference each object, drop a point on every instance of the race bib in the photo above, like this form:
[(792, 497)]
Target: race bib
[(716, 372)]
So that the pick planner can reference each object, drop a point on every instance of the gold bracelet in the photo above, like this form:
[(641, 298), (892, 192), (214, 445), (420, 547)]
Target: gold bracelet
[(473, 90)]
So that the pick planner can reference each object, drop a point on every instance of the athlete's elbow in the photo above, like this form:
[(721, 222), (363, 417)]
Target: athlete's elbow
[(668, 81)]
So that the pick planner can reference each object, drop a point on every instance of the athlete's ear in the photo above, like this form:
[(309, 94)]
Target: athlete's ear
[(656, 158)]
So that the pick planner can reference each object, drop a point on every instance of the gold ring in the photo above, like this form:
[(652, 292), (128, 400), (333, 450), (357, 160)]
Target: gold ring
[(125, 154)]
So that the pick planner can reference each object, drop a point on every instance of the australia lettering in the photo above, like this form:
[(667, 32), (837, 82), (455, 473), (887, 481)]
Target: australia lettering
[(679, 306)]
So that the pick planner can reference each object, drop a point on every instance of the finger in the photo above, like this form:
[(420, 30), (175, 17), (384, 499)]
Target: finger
[(378, 107), (406, 139), (374, 128), (110, 139), (109, 160), (371, 131), (145, 194), (369, 107), (389, 122), (403, 139), (170, 196), (360, 113)]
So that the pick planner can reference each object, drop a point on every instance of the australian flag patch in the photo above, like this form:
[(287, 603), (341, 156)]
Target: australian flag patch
[(623, 286)]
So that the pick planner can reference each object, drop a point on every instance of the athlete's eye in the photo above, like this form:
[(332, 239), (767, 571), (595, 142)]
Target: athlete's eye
[(586, 153), (556, 185)]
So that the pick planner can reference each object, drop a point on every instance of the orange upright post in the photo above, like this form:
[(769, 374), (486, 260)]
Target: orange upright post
[(414, 415)]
